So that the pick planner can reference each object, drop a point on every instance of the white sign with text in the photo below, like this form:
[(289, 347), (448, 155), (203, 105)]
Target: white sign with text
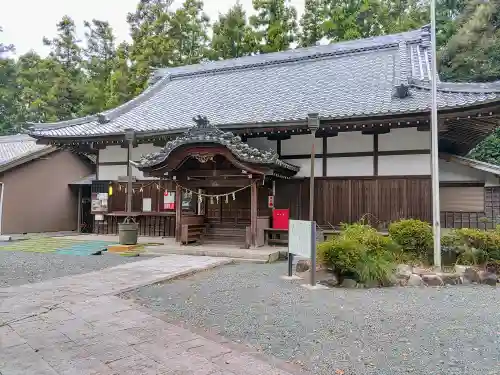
[(300, 238)]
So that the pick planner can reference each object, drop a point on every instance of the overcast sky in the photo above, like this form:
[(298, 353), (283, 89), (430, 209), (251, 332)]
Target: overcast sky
[(26, 22)]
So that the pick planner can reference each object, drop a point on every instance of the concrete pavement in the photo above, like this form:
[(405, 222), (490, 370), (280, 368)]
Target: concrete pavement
[(75, 325)]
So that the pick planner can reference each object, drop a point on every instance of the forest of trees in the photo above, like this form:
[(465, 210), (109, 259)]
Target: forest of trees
[(81, 77)]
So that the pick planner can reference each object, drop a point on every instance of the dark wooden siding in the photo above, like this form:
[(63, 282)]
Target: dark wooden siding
[(379, 199)]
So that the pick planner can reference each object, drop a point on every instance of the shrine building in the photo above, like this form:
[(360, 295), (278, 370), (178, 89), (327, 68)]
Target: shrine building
[(225, 144)]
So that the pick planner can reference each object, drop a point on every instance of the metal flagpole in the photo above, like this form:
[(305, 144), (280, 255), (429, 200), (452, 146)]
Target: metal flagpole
[(436, 216)]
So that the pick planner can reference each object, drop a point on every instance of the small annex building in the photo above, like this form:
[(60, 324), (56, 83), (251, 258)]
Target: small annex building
[(37, 192), (366, 103)]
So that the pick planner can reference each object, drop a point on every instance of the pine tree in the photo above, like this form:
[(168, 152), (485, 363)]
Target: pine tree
[(9, 92), (66, 95), (99, 61), (275, 24), (118, 87), (311, 23), (232, 36), (473, 53), (151, 45), (189, 33)]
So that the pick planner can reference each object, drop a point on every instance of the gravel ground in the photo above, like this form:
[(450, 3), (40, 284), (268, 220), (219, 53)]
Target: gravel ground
[(17, 267), (453, 330)]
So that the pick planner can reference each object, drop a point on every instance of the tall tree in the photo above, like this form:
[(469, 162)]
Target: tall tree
[(35, 78), (8, 95), (100, 55), (232, 36), (189, 33), (473, 52), (66, 94), (118, 88), (311, 23), (275, 24), (151, 46)]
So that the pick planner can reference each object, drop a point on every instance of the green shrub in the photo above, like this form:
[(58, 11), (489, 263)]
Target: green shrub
[(473, 246), (414, 237), (359, 251)]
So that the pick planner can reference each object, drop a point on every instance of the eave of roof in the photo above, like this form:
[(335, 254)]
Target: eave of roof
[(26, 158), (282, 92), (476, 164)]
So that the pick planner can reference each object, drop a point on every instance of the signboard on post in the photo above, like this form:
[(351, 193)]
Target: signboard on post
[(299, 238), (302, 242)]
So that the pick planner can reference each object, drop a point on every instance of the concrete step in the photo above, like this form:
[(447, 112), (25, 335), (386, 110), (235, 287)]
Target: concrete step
[(245, 255)]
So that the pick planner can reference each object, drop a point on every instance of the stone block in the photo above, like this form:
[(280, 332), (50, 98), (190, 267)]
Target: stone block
[(432, 280), (242, 364), (137, 364), (415, 280), (8, 338), (22, 360), (204, 348)]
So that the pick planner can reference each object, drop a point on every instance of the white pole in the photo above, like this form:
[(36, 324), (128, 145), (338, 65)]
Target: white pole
[(434, 145)]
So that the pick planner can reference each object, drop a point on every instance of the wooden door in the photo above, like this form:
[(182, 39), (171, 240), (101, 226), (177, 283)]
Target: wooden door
[(230, 211)]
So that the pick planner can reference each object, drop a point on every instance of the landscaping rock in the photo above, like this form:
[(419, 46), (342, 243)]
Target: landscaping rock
[(421, 271), (349, 283), (415, 280), (450, 278), (403, 271), (326, 277), (487, 278), (372, 284), (303, 265), (460, 269), (432, 280), (323, 276), (471, 276)]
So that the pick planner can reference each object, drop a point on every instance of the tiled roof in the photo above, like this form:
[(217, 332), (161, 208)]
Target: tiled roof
[(343, 80), (15, 147)]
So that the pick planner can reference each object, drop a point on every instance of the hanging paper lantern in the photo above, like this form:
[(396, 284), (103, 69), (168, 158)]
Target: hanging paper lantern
[(234, 196), (217, 198), (211, 200), (227, 198)]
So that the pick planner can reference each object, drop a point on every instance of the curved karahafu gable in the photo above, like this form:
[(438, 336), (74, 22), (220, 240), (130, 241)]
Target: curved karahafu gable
[(206, 133)]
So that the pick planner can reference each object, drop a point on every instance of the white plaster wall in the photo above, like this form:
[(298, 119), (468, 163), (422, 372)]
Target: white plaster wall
[(404, 139), (353, 166), (262, 143), (453, 172), (409, 165), (305, 167), (300, 145), (111, 172), (113, 154), (350, 142)]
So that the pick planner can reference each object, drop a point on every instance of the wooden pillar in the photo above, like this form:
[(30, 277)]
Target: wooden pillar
[(253, 213), (178, 212)]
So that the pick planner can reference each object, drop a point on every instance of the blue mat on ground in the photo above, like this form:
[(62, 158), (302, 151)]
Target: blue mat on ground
[(85, 248)]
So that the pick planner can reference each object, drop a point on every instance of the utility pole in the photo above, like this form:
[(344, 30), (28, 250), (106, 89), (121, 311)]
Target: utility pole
[(313, 125), (436, 214)]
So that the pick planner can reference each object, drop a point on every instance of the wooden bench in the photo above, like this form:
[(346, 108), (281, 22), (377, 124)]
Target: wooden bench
[(275, 236), (192, 233)]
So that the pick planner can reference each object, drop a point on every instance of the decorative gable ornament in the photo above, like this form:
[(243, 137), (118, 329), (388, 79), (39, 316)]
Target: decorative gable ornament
[(402, 91), (205, 132)]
